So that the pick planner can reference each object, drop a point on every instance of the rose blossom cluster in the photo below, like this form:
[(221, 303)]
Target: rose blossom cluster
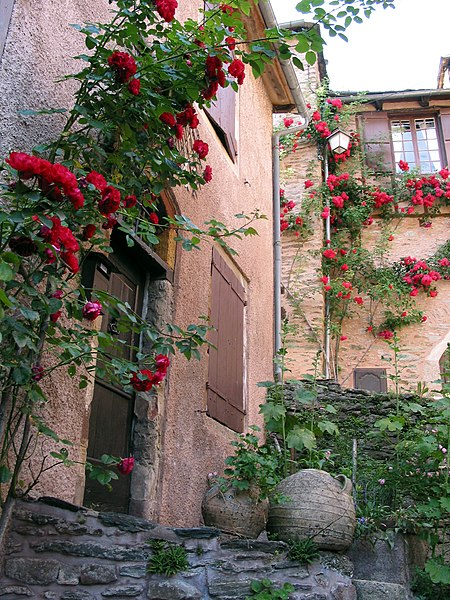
[(145, 379), (419, 276), (55, 180), (125, 67), (166, 9)]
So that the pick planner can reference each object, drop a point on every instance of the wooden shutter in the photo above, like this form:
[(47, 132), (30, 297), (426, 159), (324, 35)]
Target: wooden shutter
[(376, 139), (445, 125), (226, 399), (6, 8), (222, 114), (372, 380)]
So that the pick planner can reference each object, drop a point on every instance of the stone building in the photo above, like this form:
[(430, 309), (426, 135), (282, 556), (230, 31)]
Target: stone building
[(183, 431), (413, 126)]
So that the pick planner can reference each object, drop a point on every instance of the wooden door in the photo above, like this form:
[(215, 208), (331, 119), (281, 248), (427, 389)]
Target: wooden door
[(111, 418)]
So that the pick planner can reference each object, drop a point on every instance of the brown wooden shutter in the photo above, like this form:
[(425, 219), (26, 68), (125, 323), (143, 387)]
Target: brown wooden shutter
[(6, 8), (222, 114), (226, 361), (372, 380), (376, 140), (445, 125)]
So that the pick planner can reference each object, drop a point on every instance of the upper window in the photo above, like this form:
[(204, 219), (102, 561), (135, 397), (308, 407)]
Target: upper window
[(415, 141)]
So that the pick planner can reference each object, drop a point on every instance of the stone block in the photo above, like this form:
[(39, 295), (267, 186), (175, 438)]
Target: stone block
[(16, 590), (126, 523), (197, 532), (231, 585), (34, 571), (68, 575), (173, 590), (95, 550), (379, 590), (343, 591), (380, 562), (135, 571), (260, 546), (94, 574), (123, 591), (77, 595)]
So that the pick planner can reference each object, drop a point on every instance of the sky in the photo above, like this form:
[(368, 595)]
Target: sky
[(396, 49)]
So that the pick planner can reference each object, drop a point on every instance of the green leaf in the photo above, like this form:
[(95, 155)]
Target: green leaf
[(270, 410), (445, 503), (21, 375), (310, 57), (5, 474), (438, 572), (6, 272), (329, 427), (299, 438)]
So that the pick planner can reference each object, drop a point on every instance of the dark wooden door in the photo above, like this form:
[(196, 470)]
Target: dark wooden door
[(111, 417)]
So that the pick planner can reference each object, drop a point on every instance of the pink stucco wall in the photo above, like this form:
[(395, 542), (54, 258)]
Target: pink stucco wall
[(194, 444), (37, 52)]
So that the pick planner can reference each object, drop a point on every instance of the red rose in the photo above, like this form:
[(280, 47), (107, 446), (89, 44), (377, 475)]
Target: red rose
[(166, 9), (153, 218), (162, 362), (201, 148), (97, 180), (403, 166), (329, 253), (110, 200), (134, 87), (71, 261), (207, 174), (129, 201), (126, 465), (89, 232), (92, 310), (123, 64), (55, 316), (237, 69), (167, 118)]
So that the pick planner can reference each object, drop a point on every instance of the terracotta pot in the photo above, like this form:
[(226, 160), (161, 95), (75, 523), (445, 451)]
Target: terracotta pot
[(236, 512), (318, 506)]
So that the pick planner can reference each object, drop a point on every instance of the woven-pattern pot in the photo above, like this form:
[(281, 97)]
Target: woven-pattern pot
[(236, 512), (318, 506)]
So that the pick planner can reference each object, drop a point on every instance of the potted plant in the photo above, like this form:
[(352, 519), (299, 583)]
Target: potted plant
[(237, 502)]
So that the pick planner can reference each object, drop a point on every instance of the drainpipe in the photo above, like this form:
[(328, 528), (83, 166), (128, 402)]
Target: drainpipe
[(297, 94)]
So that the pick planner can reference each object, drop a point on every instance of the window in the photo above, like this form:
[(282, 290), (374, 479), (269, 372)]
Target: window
[(416, 142), (372, 380), (226, 376)]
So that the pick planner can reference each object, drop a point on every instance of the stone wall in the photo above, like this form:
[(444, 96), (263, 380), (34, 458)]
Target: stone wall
[(65, 552)]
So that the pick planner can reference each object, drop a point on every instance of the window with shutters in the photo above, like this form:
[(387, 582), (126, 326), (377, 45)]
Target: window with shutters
[(222, 112), (372, 380), (226, 375), (222, 115), (415, 141)]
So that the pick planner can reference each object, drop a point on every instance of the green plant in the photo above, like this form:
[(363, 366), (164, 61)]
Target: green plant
[(251, 464), (299, 426), (265, 590), (167, 558), (303, 551), (425, 589)]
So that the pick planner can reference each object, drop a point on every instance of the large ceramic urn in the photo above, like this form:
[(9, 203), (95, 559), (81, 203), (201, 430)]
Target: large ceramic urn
[(317, 506), (240, 513)]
